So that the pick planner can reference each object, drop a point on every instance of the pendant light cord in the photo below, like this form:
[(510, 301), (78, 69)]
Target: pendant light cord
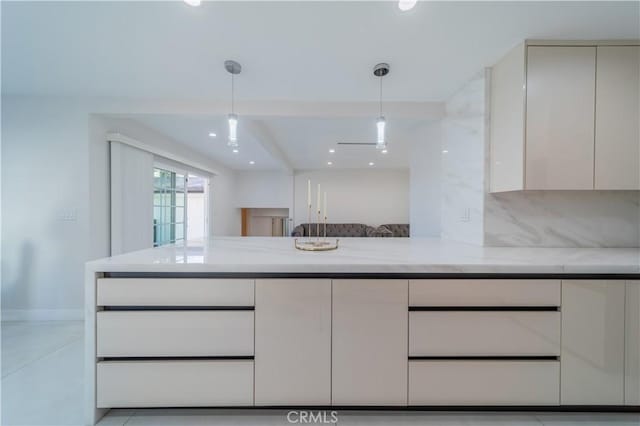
[(232, 93), (380, 96)]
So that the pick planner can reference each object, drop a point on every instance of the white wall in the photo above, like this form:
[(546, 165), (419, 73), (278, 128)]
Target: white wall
[(45, 209), (55, 198), (372, 197), (264, 189), (425, 186)]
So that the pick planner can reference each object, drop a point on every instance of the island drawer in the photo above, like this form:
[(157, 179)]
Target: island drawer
[(174, 292), (174, 333), (484, 382), (484, 292), (493, 333), (174, 383)]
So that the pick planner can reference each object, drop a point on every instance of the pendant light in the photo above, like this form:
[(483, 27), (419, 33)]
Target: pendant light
[(233, 68), (380, 71)]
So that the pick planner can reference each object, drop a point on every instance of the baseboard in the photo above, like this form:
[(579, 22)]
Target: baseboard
[(42, 314)]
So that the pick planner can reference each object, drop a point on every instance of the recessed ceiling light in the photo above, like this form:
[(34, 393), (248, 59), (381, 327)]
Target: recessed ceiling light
[(212, 135), (329, 163), (371, 163), (444, 151), (384, 151), (192, 2), (331, 151), (235, 151), (252, 162), (405, 5)]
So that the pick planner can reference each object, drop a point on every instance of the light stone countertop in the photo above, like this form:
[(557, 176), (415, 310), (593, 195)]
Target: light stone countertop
[(368, 255)]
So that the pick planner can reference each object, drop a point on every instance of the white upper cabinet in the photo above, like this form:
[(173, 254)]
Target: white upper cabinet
[(564, 116), (560, 111), (617, 128)]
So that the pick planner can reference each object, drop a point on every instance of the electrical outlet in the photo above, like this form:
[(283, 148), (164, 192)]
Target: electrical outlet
[(67, 215), (466, 215)]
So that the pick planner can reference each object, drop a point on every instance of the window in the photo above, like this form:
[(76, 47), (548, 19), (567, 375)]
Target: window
[(180, 205), (169, 205)]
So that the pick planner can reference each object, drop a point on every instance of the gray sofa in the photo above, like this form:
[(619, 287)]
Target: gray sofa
[(398, 229), (337, 230)]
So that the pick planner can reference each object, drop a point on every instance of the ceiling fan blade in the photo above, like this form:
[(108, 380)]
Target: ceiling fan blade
[(356, 143)]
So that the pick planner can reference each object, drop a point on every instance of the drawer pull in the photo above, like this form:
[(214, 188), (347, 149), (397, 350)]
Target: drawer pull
[(179, 308), (178, 358), (485, 358), (485, 308)]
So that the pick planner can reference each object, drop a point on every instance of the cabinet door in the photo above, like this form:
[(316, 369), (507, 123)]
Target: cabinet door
[(293, 342), (632, 344), (370, 339), (560, 117), (592, 358), (617, 115)]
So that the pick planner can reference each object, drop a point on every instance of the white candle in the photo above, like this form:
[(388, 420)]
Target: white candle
[(309, 193), (325, 205), (318, 200)]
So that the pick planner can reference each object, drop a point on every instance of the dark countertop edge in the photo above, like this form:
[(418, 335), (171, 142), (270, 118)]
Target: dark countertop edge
[(377, 275)]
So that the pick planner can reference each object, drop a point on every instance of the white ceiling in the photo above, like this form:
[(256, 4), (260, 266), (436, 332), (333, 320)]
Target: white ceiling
[(194, 132), (306, 141), (312, 51), (303, 142)]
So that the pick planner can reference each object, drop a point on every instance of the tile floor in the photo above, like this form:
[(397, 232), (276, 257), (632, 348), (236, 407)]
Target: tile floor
[(42, 370)]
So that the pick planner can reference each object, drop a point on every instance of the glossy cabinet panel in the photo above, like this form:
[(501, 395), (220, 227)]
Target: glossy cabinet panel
[(632, 344), (484, 382), (293, 342), (502, 333), (482, 292), (370, 329), (174, 292), (174, 333), (593, 315), (560, 117), (140, 384), (617, 150)]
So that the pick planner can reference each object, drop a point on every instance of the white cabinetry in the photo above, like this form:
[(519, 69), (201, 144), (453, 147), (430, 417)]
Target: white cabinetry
[(617, 111), (559, 125), (370, 327), (293, 342), (174, 333), (632, 344), (592, 358), (497, 333), (565, 116), (483, 382), (174, 383)]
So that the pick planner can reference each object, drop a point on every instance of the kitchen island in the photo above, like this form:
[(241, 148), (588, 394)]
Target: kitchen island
[(380, 322)]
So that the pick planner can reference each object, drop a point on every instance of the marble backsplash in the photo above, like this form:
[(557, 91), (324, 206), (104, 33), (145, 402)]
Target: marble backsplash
[(563, 219), (463, 167)]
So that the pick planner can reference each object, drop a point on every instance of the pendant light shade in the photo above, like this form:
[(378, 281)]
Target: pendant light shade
[(380, 125), (233, 68), (233, 129), (380, 71)]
